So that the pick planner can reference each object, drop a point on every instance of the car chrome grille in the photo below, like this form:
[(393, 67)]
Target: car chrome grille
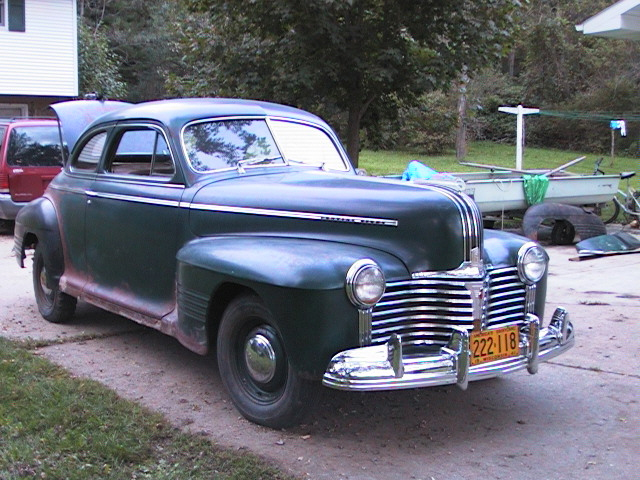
[(425, 311)]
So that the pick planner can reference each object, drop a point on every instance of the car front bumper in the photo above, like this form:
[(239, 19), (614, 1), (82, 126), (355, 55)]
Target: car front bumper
[(384, 367)]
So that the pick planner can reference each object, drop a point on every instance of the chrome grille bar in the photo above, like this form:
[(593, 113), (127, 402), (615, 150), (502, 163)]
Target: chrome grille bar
[(426, 311)]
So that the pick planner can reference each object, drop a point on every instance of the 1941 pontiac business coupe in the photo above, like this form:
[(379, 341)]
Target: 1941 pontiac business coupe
[(242, 226)]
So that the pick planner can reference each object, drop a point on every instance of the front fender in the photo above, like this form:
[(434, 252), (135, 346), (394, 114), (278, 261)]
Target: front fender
[(301, 281), (501, 250), (284, 262), (37, 222)]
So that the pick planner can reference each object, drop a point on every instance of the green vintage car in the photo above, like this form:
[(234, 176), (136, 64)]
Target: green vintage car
[(242, 226)]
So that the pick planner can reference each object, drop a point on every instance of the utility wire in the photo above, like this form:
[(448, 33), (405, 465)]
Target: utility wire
[(594, 116)]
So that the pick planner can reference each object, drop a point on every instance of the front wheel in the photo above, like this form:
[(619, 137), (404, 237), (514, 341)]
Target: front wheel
[(255, 368), (54, 305)]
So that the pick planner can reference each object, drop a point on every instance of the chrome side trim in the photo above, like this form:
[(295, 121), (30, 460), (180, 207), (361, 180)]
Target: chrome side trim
[(375, 368), (80, 191), (327, 217), (133, 199)]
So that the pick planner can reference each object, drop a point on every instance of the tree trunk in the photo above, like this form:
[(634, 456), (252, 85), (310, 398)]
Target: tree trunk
[(512, 63), (461, 136), (353, 133)]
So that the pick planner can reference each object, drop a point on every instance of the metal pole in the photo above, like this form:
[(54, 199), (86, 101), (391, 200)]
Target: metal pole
[(519, 137)]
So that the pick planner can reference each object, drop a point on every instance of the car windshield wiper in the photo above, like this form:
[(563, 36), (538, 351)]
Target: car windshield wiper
[(320, 165), (256, 161)]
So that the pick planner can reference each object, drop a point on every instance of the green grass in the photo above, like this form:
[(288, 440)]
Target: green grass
[(57, 427), (394, 162)]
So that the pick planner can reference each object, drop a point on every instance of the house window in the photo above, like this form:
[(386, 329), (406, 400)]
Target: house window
[(12, 15), (10, 110)]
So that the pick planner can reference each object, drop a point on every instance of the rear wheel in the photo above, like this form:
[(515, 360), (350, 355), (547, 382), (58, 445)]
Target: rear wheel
[(255, 368), (54, 305)]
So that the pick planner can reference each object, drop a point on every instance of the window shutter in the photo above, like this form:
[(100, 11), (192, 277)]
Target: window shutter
[(16, 16)]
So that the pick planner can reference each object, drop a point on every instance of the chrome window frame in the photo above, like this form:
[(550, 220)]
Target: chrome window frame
[(155, 180)]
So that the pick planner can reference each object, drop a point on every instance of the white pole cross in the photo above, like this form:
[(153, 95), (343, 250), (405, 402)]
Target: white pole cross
[(520, 111)]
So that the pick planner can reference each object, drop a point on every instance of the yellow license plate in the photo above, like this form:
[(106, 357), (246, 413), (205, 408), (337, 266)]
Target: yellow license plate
[(492, 345)]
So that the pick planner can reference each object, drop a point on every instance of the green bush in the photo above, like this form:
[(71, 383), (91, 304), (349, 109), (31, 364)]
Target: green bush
[(426, 127)]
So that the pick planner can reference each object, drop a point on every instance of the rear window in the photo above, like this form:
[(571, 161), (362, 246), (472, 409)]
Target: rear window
[(2, 130), (37, 146)]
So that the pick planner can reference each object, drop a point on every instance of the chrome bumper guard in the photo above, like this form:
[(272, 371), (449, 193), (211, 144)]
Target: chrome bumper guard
[(384, 367)]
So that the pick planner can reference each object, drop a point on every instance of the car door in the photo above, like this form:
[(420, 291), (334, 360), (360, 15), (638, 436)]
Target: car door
[(68, 192), (131, 222)]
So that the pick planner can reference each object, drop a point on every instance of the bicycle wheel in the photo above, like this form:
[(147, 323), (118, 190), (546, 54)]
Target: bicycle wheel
[(609, 211), (632, 207)]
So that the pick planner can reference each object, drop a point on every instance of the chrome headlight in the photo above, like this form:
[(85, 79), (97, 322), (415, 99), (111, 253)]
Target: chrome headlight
[(365, 283), (532, 263)]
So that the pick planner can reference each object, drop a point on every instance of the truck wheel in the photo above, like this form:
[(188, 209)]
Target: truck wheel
[(255, 369), (54, 305)]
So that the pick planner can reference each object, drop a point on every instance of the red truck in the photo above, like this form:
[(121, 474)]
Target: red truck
[(30, 156)]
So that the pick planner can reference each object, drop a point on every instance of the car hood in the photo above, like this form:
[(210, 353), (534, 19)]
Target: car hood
[(427, 228)]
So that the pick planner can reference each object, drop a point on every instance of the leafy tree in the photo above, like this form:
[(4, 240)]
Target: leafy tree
[(134, 35), (328, 55), (98, 65)]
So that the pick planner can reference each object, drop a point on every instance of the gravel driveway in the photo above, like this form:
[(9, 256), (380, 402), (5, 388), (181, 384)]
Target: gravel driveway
[(578, 418)]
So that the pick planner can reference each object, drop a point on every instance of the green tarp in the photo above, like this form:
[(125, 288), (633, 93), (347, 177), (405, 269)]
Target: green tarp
[(535, 188)]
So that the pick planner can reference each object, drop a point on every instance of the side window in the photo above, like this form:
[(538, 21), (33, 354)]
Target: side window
[(142, 152), (88, 159)]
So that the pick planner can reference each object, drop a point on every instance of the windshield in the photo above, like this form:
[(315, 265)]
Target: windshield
[(216, 145), (34, 147)]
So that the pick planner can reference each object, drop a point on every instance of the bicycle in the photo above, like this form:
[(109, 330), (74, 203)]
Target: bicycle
[(627, 201)]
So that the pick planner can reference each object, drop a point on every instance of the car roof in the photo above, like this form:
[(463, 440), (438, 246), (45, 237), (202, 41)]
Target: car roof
[(177, 112), (77, 116), (28, 121)]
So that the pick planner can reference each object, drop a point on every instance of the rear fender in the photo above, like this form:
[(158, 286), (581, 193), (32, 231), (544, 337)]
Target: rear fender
[(37, 223)]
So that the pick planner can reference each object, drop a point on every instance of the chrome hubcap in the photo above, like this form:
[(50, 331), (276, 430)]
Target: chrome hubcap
[(260, 357)]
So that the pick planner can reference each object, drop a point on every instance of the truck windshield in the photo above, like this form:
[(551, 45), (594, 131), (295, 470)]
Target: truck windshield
[(34, 146)]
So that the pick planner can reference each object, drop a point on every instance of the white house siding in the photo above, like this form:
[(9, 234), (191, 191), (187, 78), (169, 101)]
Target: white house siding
[(43, 60)]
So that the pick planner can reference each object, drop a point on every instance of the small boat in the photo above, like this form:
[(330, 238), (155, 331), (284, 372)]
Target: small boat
[(503, 191), (499, 190)]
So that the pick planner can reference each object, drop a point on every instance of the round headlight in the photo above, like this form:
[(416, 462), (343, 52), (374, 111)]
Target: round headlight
[(365, 283), (532, 263)]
